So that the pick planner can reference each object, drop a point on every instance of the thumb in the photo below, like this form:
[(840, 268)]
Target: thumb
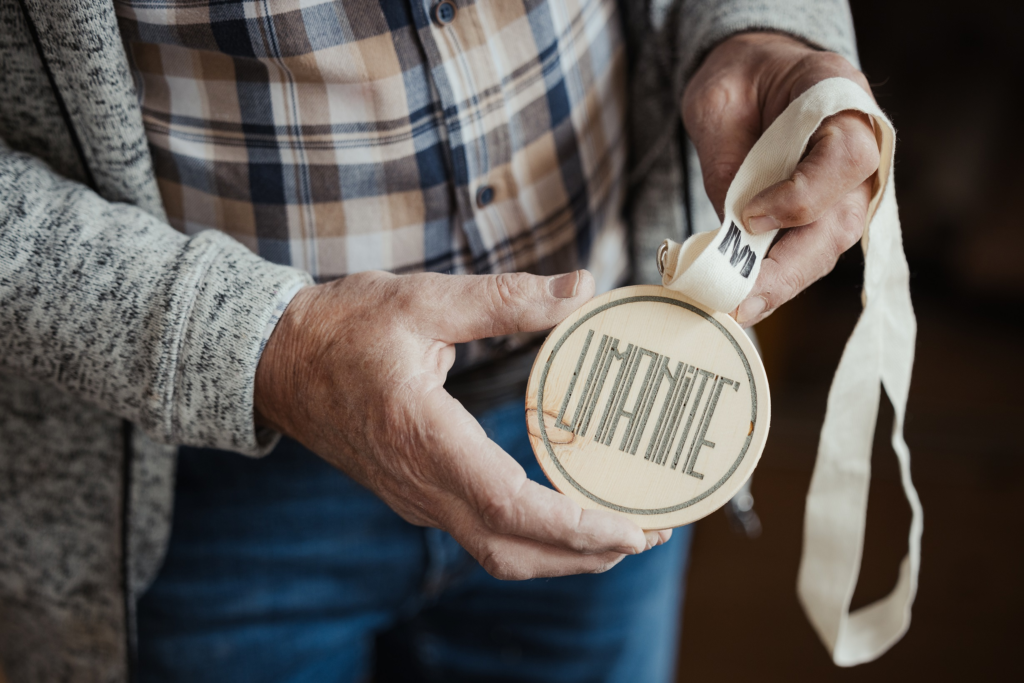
[(723, 123), (481, 306)]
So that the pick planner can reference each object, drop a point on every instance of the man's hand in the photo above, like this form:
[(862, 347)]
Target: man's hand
[(742, 86), (355, 371)]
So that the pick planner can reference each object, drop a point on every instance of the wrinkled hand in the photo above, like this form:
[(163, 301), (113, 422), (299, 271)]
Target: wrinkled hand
[(742, 86), (355, 371)]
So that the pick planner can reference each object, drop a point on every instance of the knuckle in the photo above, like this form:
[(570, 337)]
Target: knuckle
[(716, 97), (406, 292), (849, 227), (604, 566), (362, 278), (373, 284), (507, 287), (704, 102), (861, 151), (420, 293), (507, 292), (577, 543), (493, 564), (791, 281), (499, 514), (406, 299), (836, 62), (774, 299), (817, 66), (799, 206), (828, 64), (842, 242), (378, 279), (858, 77), (500, 566)]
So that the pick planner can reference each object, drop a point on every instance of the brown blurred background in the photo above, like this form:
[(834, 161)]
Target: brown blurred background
[(951, 76)]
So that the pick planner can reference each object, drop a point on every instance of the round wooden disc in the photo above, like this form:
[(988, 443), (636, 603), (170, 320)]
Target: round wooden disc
[(653, 406)]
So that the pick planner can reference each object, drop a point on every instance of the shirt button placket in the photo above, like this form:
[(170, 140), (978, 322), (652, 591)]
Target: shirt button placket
[(484, 196), (448, 63), (444, 12)]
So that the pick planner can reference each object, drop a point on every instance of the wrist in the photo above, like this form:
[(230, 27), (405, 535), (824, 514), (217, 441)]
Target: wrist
[(279, 369)]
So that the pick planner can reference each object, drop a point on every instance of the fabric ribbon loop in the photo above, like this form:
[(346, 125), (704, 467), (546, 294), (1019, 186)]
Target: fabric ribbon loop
[(719, 268)]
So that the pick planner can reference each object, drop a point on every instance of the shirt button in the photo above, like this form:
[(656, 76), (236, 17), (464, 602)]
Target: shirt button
[(444, 12), (484, 196)]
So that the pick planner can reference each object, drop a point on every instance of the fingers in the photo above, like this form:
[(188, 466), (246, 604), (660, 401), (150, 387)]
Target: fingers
[(805, 254), (745, 82), (513, 558), (460, 308), (723, 120), (510, 558), (841, 155), (516, 528), (505, 502), (530, 510)]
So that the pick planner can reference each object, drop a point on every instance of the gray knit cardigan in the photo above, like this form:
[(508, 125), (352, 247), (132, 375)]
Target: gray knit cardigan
[(121, 338)]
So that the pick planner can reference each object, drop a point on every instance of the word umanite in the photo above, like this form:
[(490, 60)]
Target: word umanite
[(647, 403)]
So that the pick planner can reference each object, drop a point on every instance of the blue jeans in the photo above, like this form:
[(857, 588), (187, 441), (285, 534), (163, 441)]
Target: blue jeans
[(284, 569)]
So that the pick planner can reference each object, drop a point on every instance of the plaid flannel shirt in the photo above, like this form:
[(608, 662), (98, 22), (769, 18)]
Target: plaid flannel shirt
[(339, 136)]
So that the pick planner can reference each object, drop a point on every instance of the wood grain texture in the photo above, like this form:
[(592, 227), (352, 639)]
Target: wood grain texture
[(651, 406)]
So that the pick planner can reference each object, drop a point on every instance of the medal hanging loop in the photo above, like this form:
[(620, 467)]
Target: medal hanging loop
[(719, 269)]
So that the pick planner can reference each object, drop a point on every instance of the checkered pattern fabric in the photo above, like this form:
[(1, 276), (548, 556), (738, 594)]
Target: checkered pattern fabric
[(345, 135)]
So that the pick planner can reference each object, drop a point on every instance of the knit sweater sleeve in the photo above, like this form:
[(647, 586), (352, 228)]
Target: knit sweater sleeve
[(110, 303), (826, 24)]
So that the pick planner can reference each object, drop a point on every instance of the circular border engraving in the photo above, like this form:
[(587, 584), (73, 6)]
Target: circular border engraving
[(707, 317), (675, 328)]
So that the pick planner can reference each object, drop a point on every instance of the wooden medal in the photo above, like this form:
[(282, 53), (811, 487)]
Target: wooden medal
[(651, 406)]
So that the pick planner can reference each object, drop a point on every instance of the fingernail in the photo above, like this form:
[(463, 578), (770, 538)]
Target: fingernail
[(759, 224), (564, 286), (750, 309)]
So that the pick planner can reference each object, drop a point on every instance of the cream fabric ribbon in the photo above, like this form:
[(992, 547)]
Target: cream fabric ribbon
[(719, 268)]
